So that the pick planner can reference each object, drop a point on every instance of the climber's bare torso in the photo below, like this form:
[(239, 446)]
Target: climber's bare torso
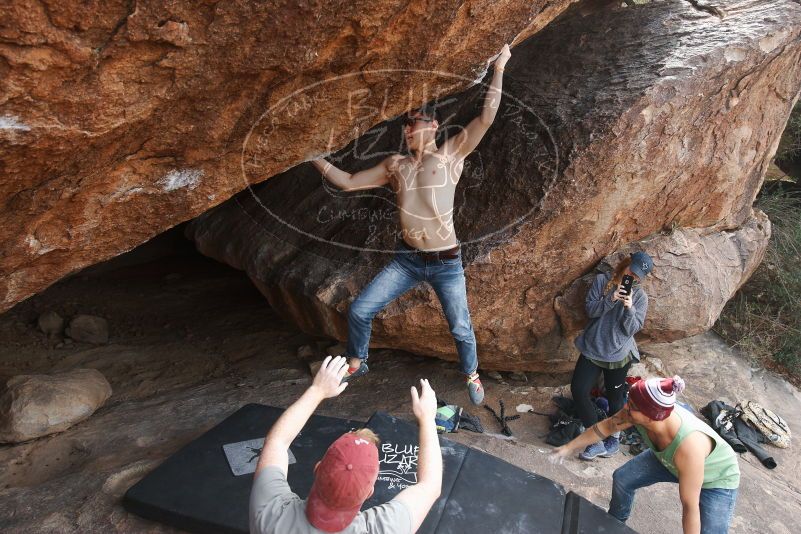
[(425, 189), (425, 181)]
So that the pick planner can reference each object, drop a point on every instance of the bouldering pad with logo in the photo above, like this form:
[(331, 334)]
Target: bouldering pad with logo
[(196, 488)]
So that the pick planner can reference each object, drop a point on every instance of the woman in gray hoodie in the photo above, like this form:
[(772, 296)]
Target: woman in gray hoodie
[(607, 344)]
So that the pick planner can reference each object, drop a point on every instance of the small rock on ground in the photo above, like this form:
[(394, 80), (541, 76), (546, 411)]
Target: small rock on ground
[(306, 352), (495, 375), (88, 328), (336, 350), (51, 323), (37, 405)]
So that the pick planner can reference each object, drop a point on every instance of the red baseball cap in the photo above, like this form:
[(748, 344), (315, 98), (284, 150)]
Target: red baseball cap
[(343, 481)]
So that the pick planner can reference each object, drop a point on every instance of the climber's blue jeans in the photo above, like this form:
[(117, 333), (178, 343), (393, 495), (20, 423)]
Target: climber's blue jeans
[(717, 504), (406, 270)]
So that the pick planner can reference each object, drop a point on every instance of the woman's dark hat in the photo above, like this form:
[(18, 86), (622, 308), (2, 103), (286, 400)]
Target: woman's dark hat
[(641, 264)]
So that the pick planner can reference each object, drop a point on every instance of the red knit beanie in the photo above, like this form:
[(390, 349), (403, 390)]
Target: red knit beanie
[(656, 397)]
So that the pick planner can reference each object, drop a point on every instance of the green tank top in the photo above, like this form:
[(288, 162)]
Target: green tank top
[(721, 469)]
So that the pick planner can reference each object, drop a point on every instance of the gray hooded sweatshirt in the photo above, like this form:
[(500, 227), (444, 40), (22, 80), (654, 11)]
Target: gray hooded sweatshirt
[(609, 336)]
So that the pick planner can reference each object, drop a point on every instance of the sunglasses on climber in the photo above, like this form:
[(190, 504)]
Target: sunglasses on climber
[(409, 121)]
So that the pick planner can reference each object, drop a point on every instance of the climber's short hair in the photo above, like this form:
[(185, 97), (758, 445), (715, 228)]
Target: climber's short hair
[(429, 111), (369, 435)]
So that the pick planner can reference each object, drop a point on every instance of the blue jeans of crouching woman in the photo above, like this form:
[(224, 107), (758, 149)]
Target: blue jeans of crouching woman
[(406, 270), (717, 504)]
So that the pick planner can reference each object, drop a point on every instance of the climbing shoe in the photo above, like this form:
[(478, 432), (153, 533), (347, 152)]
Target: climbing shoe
[(593, 451), (612, 446), (356, 372), (474, 389)]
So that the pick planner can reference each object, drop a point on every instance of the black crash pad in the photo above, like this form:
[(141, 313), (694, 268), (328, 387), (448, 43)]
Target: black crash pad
[(583, 517), (397, 456), (195, 489), (482, 493)]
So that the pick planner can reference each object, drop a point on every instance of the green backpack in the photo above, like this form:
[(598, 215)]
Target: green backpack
[(448, 418)]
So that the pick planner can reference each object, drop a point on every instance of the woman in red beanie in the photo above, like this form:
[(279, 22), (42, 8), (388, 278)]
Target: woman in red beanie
[(681, 448)]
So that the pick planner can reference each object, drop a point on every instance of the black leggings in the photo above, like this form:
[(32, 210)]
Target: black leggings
[(584, 379)]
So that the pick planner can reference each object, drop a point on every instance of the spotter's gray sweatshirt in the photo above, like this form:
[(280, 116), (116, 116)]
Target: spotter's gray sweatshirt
[(609, 336)]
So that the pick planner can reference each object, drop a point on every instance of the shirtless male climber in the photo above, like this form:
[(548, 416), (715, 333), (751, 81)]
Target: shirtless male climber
[(424, 182)]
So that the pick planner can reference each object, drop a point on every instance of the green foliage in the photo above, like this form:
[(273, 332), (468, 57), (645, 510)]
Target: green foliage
[(764, 318)]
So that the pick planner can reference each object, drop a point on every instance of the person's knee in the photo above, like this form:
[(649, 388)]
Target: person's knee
[(619, 475), (580, 388), (614, 393), (463, 331), (620, 478), (616, 402), (361, 313)]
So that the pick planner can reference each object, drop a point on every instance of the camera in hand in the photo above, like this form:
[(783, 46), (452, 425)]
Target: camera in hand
[(628, 280)]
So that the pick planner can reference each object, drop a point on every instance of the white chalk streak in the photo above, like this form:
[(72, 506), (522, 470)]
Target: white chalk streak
[(178, 179), (9, 122)]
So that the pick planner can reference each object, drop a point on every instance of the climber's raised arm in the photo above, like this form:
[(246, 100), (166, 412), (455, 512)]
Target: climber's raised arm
[(467, 140), (366, 179)]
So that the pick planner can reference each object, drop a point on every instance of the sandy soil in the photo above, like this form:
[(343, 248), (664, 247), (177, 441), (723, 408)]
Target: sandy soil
[(191, 341)]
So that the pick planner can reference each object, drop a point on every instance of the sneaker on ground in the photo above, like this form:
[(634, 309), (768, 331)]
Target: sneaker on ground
[(612, 446), (356, 372), (593, 451), (474, 389)]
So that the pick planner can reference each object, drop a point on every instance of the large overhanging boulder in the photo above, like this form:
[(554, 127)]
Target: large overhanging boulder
[(120, 119), (617, 123)]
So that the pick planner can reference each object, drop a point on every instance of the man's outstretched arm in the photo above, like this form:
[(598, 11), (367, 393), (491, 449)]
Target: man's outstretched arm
[(421, 497), (326, 384), (467, 140), (597, 432), (366, 179)]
